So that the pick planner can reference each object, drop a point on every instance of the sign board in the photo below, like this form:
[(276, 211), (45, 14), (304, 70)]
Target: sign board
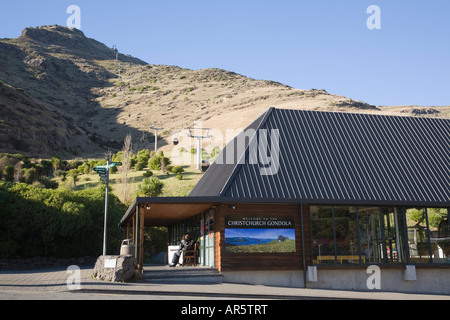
[(252, 222), (259, 234), (110, 263), (171, 250)]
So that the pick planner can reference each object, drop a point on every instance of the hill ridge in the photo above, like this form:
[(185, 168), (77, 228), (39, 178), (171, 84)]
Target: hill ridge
[(60, 86)]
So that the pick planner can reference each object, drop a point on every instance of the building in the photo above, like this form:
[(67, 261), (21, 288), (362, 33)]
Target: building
[(312, 199)]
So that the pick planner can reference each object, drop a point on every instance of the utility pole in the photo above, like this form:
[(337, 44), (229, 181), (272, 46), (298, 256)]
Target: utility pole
[(197, 133), (116, 52), (156, 127)]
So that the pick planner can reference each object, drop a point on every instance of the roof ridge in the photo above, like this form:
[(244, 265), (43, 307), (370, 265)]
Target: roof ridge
[(239, 163)]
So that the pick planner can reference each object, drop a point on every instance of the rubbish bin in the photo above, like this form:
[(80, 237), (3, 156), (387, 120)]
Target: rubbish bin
[(127, 248)]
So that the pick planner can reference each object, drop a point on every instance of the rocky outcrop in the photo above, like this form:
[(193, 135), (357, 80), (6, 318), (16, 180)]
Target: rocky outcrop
[(116, 268)]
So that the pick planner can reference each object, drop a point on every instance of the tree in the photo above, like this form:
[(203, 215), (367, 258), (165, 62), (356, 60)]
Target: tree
[(74, 175), (8, 173), (143, 156), (125, 194), (158, 162), (30, 175), (151, 187), (55, 163), (84, 168), (46, 167), (18, 172)]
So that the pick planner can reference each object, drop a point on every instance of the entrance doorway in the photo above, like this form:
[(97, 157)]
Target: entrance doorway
[(206, 239)]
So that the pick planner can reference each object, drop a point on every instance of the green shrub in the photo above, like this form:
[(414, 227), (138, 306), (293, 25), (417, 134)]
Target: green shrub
[(147, 174), (55, 223), (143, 156), (151, 187), (177, 170), (139, 166), (155, 162), (47, 183)]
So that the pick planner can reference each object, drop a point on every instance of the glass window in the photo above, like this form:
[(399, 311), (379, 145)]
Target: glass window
[(440, 235), (432, 224), (393, 227), (322, 235), (418, 235), (346, 237), (370, 237)]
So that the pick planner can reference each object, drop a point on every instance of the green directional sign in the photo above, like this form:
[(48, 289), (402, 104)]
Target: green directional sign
[(115, 164), (102, 172)]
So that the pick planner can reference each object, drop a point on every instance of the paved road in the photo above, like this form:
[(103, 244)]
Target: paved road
[(52, 284)]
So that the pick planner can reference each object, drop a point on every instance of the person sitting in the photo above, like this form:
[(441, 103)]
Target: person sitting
[(185, 244)]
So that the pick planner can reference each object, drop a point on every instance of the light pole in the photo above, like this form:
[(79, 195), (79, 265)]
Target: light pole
[(197, 133), (106, 206), (156, 127), (103, 171)]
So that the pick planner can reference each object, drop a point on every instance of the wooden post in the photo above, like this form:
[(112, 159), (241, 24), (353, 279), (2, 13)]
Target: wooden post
[(133, 223), (136, 229), (141, 240)]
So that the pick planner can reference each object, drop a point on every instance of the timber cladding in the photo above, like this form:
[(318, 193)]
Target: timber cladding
[(238, 251)]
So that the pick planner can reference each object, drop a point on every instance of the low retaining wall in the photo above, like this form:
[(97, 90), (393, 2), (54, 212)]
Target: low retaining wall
[(424, 281), (44, 262), (421, 280), (293, 279)]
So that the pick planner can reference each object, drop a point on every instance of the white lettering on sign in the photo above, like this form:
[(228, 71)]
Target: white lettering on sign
[(260, 223)]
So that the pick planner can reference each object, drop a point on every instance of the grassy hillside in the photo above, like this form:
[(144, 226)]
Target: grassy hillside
[(173, 187), (64, 94)]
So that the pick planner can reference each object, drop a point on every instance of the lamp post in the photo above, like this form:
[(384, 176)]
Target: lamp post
[(106, 206), (156, 127), (103, 171), (197, 133)]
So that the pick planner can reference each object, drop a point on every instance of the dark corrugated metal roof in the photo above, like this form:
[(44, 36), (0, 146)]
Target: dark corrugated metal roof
[(343, 157), (218, 174)]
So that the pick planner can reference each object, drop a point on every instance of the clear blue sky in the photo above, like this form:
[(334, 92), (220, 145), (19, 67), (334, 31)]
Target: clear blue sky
[(322, 44)]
